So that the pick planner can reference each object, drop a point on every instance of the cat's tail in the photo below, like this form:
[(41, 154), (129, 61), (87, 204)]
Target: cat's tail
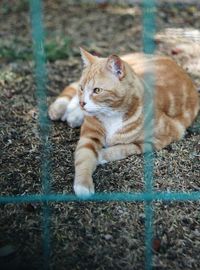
[(183, 45)]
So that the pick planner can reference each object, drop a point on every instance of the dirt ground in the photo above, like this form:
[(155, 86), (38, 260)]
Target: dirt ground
[(87, 235)]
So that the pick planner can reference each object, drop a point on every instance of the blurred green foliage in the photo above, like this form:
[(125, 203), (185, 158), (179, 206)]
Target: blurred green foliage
[(15, 6), (58, 50), (54, 50)]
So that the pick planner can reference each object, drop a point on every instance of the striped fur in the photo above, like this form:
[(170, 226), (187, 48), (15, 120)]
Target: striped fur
[(111, 95)]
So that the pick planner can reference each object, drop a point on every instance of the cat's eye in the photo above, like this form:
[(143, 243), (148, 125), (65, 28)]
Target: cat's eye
[(81, 88), (97, 90)]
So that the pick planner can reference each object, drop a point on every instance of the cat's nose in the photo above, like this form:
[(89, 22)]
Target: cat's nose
[(82, 103)]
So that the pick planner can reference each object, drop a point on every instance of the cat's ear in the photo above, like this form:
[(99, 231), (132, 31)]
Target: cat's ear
[(116, 66), (87, 57)]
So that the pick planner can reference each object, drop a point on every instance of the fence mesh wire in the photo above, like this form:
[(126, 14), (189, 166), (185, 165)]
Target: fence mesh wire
[(148, 196)]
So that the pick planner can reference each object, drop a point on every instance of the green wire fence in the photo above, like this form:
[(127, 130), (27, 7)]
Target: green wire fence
[(148, 196)]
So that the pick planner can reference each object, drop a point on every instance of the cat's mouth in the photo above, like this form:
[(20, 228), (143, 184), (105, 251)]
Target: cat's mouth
[(88, 112)]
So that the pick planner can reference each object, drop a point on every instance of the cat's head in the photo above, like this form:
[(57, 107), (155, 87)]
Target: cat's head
[(102, 85)]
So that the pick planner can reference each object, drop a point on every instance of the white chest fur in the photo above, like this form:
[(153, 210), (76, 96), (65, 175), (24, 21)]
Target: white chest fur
[(112, 124)]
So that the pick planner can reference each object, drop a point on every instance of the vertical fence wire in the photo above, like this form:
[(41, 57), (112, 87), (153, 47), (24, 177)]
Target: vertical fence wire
[(36, 13), (149, 7)]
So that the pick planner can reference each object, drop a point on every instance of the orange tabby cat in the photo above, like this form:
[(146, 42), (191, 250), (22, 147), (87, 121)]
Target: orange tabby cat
[(109, 100)]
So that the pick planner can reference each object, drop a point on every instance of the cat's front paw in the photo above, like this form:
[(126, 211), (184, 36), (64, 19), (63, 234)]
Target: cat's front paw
[(58, 108), (84, 190), (75, 118)]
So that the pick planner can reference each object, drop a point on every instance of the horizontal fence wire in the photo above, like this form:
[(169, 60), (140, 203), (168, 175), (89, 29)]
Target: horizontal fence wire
[(103, 197), (129, 2)]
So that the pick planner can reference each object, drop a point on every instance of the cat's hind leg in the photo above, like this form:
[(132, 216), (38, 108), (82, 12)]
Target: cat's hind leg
[(66, 107), (121, 151)]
